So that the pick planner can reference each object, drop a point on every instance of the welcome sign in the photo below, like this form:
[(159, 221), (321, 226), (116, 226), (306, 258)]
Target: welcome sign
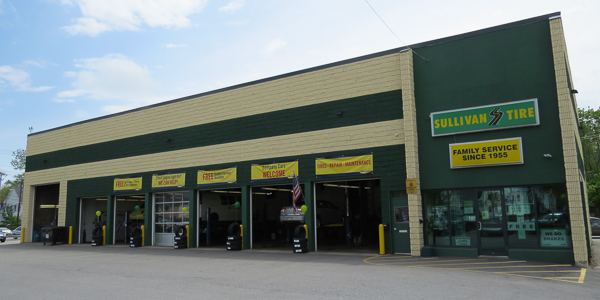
[(482, 118), (274, 171)]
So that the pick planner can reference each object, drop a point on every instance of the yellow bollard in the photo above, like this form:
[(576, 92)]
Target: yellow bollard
[(187, 230), (143, 235), (381, 240), (70, 235), (104, 235), (306, 230), (22, 235), (242, 235)]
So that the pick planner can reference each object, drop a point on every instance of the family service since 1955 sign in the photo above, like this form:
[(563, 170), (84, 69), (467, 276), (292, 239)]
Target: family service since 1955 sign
[(486, 153)]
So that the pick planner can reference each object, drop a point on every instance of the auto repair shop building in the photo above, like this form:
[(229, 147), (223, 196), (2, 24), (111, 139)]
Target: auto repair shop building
[(467, 144)]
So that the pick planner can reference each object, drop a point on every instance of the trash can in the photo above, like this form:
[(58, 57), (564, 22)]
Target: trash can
[(55, 235), (37, 236)]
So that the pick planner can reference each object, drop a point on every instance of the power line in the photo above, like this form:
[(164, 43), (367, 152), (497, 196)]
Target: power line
[(388, 27)]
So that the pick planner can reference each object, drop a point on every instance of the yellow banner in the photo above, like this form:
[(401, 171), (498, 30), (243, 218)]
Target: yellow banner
[(486, 153), (127, 184), (217, 177), (274, 171), (163, 181), (344, 165)]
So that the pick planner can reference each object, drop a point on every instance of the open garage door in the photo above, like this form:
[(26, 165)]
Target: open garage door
[(217, 212), (127, 216), (88, 217), (348, 214), (273, 217)]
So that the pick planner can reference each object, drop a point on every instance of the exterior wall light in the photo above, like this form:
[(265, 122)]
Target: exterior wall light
[(547, 155)]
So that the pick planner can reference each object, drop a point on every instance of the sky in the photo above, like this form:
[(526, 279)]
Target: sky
[(65, 61)]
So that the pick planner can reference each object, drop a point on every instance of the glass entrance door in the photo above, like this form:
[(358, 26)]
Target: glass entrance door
[(492, 223)]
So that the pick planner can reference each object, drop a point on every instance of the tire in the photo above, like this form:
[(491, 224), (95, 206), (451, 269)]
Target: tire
[(97, 231), (300, 250), (181, 231), (234, 248), (97, 241), (300, 232), (179, 247), (180, 243), (300, 240), (234, 229), (136, 239), (2, 241), (318, 222), (135, 245), (300, 245), (136, 231), (234, 243), (234, 238), (180, 238)]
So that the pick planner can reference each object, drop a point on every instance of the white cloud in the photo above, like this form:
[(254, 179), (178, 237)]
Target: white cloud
[(19, 80), (109, 78), (233, 6), (175, 45), (275, 45), (39, 64), (107, 15)]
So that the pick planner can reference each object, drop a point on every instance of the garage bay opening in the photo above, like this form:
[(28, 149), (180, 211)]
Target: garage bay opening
[(130, 212), (348, 214), (274, 217), (217, 210), (88, 218)]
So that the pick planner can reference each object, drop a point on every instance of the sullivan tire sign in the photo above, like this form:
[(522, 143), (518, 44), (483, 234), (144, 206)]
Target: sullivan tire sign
[(482, 118)]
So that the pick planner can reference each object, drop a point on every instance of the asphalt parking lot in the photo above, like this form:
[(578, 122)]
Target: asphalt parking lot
[(34, 271)]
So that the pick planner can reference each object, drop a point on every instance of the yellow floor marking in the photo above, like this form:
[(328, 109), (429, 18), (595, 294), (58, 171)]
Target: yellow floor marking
[(480, 263), (571, 271), (496, 267), (582, 275)]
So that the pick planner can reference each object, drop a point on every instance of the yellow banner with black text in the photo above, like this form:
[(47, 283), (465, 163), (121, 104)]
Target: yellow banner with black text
[(274, 171), (344, 165), (164, 181), (486, 153), (217, 177)]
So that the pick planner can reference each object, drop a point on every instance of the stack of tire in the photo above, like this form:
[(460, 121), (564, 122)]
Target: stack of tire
[(180, 240), (300, 240), (97, 236), (234, 237), (135, 240)]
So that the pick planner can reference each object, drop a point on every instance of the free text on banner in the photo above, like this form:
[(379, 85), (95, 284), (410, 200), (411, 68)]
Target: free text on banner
[(489, 117), (344, 165), (217, 177), (127, 184), (163, 181), (274, 171), (486, 153)]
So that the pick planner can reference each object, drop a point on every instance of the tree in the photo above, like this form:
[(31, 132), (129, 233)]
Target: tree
[(18, 161), (9, 218), (589, 121)]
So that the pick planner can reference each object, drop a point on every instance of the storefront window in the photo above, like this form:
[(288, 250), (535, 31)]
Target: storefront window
[(554, 220), (521, 217), (451, 219)]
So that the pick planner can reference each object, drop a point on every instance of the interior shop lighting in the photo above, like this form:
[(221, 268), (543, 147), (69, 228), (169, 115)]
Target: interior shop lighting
[(48, 206), (101, 199), (342, 186), (230, 192), (140, 196)]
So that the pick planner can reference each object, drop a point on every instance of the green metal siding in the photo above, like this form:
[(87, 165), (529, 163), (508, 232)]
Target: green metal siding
[(356, 111), (506, 65)]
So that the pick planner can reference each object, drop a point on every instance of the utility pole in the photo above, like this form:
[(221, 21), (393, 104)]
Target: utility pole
[(20, 200), (1, 176)]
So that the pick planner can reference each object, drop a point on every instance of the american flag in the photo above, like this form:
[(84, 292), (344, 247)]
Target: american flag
[(296, 191)]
